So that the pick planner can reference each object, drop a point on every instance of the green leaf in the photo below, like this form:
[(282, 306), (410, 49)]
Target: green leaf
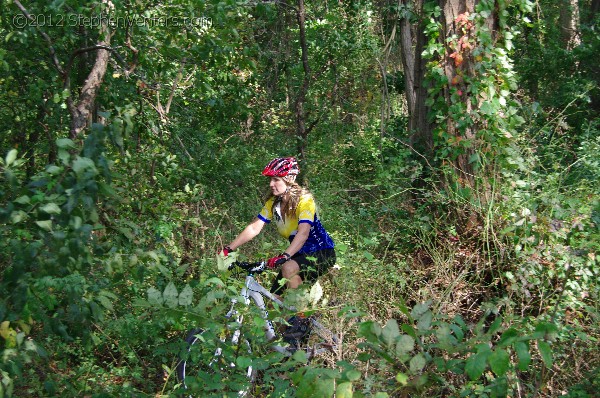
[(82, 164), (369, 330), (171, 295), (508, 337), (106, 303), (405, 345), (474, 158), (300, 356), (65, 143), (546, 353), (11, 156), (445, 337), (316, 293), (243, 362), (50, 208), (495, 326), (45, 224), (352, 375), (23, 200), (223, 262), (476, 364), (155, 296), (420, 309), (546, 330), (142, 303), (17, 216), (417, 363), (458, 331), (64, 156), (390, 332), (402, 379), (499, 362), (486, 108), (425, 320), (214, 281), (186, 296), (522, 349), (53, 169), (110, 295), (344, 390)]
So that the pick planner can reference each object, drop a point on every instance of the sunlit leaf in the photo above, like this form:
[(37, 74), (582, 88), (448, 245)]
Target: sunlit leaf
[(171, 295), (50, 208), (316, 293), (186, 296), (402, 379), (390, 332), (155, 296), (11, 156), (344, 390), (405, 345), (420, 309), (65, 143), (45, 224), (417, 363)]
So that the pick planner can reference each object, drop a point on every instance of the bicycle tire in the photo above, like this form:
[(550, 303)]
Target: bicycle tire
[(207, 365), (190, 339)]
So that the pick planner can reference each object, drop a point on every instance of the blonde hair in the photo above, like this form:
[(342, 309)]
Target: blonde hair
[(289, 200)]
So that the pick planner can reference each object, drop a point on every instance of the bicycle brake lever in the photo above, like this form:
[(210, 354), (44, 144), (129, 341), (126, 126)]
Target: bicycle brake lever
[(260, 267)]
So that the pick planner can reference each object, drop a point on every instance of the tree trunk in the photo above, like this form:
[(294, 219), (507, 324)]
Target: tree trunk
[(454, 23), (301, 130), (412, 41), (81, 111), (569, 24)]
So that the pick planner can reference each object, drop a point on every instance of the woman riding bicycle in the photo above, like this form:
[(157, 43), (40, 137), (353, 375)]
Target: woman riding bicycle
[(311, 250)]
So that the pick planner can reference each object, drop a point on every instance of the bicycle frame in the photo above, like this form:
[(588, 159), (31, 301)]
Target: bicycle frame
[(254, 291)]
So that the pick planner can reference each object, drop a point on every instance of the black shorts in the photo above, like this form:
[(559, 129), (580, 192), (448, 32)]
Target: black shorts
[(310, 270)]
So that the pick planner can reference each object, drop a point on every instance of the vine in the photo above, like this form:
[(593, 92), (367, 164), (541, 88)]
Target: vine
[(470, 77)]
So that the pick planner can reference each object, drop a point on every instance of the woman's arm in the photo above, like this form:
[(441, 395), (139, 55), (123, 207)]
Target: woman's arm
[(248, 233), (299, 239)]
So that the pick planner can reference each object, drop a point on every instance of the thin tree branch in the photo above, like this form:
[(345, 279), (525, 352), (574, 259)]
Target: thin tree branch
[(174, 86), (55, 60)]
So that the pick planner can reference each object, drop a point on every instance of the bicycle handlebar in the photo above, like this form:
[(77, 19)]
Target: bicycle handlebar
[(255, 268)]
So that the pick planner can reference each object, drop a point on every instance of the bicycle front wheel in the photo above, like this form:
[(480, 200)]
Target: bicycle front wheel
[(211, 364)]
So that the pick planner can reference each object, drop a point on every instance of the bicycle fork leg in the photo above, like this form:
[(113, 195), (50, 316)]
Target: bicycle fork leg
[(235, 339)]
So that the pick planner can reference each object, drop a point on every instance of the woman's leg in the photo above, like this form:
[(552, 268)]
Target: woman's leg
[(291, 271)]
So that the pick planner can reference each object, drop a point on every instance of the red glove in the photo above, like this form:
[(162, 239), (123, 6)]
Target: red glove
[(226, 251), (278, 260)]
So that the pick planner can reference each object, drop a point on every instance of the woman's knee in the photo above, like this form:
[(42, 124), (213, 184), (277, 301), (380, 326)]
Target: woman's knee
[(289, 269)]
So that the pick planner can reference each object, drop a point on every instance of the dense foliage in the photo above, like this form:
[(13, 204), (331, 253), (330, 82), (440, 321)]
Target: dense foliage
[(133, 135)]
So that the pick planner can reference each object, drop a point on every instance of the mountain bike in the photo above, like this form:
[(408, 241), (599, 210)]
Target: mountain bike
[(211, 356)]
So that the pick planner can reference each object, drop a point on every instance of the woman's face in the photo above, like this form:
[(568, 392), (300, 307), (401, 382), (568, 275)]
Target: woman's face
[(278, 186)]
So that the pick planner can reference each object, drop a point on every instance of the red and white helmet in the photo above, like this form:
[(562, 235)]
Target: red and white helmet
[(281, 167)]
